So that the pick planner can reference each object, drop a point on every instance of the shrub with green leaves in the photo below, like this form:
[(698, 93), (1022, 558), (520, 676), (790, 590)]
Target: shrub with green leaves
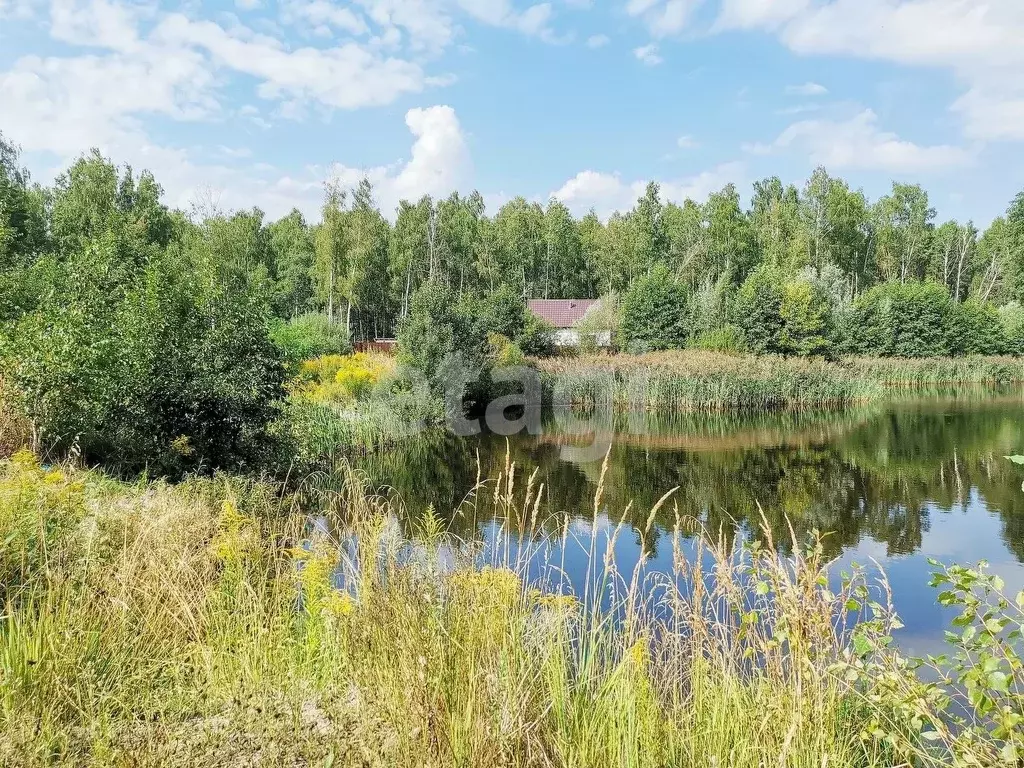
[(975, 329), (912, 319), (653, 313), (308, 336), (757, 310)]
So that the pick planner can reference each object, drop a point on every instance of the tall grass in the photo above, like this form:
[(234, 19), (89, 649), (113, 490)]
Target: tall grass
[(211, 624), (697, 380), (694, 380)]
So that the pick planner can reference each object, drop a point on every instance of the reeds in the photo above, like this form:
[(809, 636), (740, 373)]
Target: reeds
[(694, 380), (212, 623)]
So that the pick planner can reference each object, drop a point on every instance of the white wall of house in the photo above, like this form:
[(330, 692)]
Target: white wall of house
[(570, 337)]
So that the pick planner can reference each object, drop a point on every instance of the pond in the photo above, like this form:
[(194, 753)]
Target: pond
[(895, 482)]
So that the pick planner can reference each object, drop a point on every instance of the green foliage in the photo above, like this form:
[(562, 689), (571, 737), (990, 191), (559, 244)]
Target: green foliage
[(975, 329), (310, 335), (438, 327), (805, 314), (653, 313), (537, 337), (904, 320), (1011, 319), (727, 339), (174, 370), (757, 310)]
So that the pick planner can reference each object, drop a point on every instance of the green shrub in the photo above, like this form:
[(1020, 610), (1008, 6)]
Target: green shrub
[(653, 314), (728, 339), (757, 310), (308, 336), (1011, 319), (439, 327), (805, 316), (537, 337), (911, 319), (975, 329)]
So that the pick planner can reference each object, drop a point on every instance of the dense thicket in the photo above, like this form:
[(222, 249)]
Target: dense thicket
[(131, 330)]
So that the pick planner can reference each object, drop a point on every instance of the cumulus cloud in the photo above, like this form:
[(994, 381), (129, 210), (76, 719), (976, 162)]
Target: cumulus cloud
[(687, 142), (648, 54), (598, 41), (859, 143), (606, 193)]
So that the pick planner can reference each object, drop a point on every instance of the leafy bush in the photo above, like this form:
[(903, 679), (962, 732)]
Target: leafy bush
[(805, 316), (171, 370), (537, 337), (975, 329), (910, 319), (1011, 318), (310, 335), (653, 314), (728, 339), (437, 328), (504, 352), (757, 310)]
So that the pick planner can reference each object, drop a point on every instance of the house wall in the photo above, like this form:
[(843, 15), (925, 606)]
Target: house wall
[(570, 337)]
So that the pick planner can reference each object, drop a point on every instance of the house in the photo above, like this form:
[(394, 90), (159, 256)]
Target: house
[(565, 314)]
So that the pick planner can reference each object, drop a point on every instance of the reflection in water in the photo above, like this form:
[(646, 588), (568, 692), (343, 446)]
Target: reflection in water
[(897, 481)]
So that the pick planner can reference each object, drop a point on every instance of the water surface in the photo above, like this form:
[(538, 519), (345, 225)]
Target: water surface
[(897, 482)]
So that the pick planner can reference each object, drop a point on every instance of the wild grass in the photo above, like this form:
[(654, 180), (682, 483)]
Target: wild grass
[(211, 624), (695, 380), (15, 427)]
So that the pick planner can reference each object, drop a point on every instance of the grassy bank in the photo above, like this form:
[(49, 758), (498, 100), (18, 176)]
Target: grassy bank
[(708, 381), (203, 624)]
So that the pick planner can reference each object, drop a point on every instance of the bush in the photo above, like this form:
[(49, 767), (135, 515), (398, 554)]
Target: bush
[(1011, 319), (904, 320), (166, 371), (975, 329), (537, 337), (308, 336), (757, 310), (653, 313), (438, 327), (727, 339), (504, 352), (805, 316)]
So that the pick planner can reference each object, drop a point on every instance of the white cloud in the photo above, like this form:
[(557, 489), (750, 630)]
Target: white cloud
[(687, 142), (606, 193), (323, 14), (979, 42), (439, 161), (500, 13), (598, 41), (663, 17), (807, 89), (648, 54), (247, 5), (858, 143)]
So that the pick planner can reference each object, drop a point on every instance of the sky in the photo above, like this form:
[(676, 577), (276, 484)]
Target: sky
[(239, 103)]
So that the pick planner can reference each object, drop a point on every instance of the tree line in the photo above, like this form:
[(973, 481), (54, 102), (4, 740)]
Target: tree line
[(126, 325)]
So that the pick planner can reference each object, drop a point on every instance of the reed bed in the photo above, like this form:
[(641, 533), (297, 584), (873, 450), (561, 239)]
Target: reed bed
[(211, 624), (694, 380), (697, 380), (932, 371)]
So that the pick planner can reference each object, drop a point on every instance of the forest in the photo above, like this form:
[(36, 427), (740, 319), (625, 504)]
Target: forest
[(131, 329)]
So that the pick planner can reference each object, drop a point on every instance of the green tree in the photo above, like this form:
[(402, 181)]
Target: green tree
[(291, 243)]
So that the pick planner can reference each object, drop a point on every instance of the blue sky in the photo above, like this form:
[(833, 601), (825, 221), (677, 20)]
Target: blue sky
[(252, 102)]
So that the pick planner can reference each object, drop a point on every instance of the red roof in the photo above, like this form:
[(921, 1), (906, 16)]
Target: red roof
[(561, 313)]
